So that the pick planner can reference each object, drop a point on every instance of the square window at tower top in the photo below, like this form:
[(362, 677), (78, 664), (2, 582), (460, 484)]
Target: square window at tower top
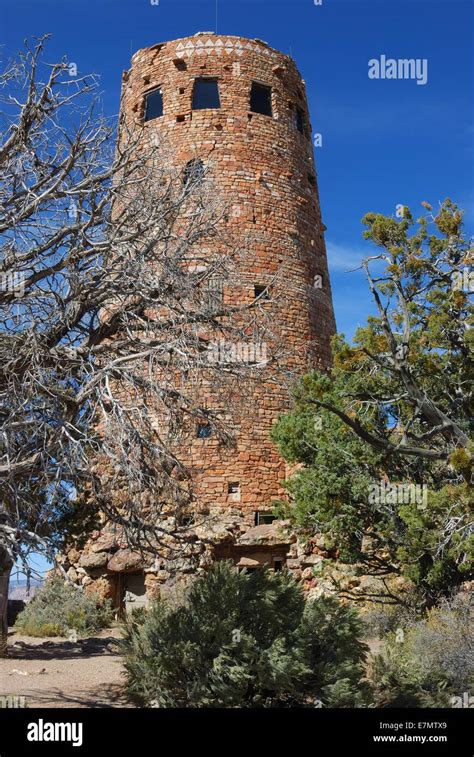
[(261, 99), (153, 105), (206, 94)]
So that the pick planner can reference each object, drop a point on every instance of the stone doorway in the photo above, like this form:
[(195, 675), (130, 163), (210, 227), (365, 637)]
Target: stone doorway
[(134, 591)]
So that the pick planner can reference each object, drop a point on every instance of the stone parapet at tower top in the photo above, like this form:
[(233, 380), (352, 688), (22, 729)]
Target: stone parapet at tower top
[(240, 107)]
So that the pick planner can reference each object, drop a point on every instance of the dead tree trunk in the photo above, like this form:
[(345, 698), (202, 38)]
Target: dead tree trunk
[(5, 570)]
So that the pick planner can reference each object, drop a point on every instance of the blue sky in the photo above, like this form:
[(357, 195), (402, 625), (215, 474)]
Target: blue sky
[(385, 142)]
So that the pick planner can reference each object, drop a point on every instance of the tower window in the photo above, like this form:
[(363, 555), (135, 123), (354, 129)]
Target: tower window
[(300, 120), (261, 99), (206, 94), (185, 519), (193, 172), (204, 431), (263, 519), (261, 291), (215, 293), (153, 105), (233, 490)]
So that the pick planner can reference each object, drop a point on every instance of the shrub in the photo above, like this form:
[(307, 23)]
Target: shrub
[(245, 640), (382, 619), (57, 608), (431, 662)]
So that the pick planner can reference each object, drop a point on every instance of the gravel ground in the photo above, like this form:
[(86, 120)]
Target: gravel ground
[(59, 673)]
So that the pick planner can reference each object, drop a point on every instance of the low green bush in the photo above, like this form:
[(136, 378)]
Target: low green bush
[(245, 640), (58, 608)]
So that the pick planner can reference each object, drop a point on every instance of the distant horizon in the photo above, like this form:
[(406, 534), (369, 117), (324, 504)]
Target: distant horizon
[(17, 589), (24, 581)]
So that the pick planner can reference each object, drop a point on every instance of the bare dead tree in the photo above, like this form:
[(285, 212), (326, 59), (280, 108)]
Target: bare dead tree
[(107, 301)]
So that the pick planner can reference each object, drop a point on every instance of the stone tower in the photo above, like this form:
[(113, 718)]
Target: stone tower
[(242, 105)]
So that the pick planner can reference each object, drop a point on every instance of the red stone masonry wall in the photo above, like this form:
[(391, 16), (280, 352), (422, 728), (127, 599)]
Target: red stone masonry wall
[(264, 168)]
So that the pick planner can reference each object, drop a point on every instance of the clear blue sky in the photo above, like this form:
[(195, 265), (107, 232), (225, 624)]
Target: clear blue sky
[(384, 142)]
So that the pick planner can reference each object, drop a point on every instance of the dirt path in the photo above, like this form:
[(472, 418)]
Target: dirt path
[(59, 673)]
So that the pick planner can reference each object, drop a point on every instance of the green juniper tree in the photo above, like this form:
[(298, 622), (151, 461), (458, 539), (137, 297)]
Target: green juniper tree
[(246, 640), (395, 413)]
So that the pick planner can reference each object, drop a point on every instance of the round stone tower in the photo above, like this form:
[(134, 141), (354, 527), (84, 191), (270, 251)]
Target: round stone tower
[(240, 105)]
